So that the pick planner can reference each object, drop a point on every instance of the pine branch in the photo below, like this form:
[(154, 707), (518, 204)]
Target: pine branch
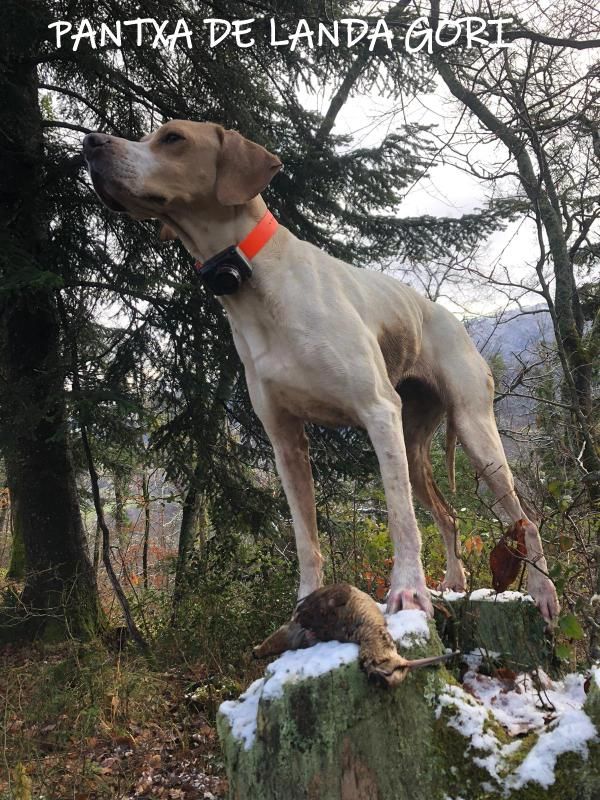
[(353, 74), (54, 123)]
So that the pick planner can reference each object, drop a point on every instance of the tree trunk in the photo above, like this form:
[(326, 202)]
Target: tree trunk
[(575, 350), (146, 496), (97, 543), (187, 534), (121, 486), (564, 308), (308, 732), (59, 583), (59, 577), (106, 559), (194, 493), (16, 568)]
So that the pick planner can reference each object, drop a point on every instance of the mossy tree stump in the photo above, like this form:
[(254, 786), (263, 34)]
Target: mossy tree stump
[(334, 736), (512, 628)]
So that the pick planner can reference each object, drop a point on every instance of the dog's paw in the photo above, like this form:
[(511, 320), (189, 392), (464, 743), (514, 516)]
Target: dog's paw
[(455, 580), (452, 586), (543, 592), (404, 599), (453, 583)]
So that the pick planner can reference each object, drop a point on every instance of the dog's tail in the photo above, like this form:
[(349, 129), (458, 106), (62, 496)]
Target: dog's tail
[(450, 453)]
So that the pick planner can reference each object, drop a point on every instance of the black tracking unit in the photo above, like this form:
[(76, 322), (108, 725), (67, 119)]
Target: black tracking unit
[(225, 272)]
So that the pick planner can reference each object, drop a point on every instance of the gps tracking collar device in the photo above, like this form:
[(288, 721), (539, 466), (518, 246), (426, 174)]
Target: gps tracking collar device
[(225, 272)]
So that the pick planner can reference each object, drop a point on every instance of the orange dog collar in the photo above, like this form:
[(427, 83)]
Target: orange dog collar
[(259, 236), (225, 272), (254, 242)]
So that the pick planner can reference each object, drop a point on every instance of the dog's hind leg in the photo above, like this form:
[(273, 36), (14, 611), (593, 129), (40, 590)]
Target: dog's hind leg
[(476, 429), (422, 412)]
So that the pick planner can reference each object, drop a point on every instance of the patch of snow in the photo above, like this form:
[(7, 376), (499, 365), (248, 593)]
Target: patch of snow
[(570, 734), (479, 595), (291, 667), (242, 713), (595, 670), (490, 595), (476, 657), (469, 719), (298, 665), (406, 626), (553, 709), (526, 705), (448, 594)]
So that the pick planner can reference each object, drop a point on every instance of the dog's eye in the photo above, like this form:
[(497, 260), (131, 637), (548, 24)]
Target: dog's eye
[(171, 137)]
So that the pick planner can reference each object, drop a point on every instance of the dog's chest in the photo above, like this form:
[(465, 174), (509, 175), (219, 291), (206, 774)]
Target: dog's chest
[(330, 411), (305, 377)]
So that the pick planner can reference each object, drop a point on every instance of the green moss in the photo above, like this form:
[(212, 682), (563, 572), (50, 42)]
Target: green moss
[(575, 779), (592, 703), (463, 778), (16, 568), (515, 630)]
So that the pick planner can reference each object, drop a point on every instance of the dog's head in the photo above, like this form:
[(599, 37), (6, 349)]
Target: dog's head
[(182, 166)]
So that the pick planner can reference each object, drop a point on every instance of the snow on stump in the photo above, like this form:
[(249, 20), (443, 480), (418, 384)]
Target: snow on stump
[(314, 729), (507, 626)]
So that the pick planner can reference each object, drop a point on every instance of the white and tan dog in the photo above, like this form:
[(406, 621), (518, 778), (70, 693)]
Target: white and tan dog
[(325, 342)]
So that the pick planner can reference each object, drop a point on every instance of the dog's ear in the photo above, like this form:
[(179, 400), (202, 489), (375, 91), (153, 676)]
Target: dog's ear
[(166, 233), (244, 169)]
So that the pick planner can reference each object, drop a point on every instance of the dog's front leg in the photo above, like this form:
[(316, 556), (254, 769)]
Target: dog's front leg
[(293, 465), (383, 421)]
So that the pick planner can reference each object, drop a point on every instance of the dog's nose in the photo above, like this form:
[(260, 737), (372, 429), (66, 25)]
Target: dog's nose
[(92, 141)]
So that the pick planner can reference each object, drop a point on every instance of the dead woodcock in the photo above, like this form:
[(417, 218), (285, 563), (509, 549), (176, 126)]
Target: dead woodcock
[(345, 614)]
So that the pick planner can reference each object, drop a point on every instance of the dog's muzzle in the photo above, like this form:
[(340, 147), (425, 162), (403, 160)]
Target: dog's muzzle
[(97, 151)]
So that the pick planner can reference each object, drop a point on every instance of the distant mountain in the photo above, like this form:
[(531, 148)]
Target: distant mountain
[(512, 333)]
